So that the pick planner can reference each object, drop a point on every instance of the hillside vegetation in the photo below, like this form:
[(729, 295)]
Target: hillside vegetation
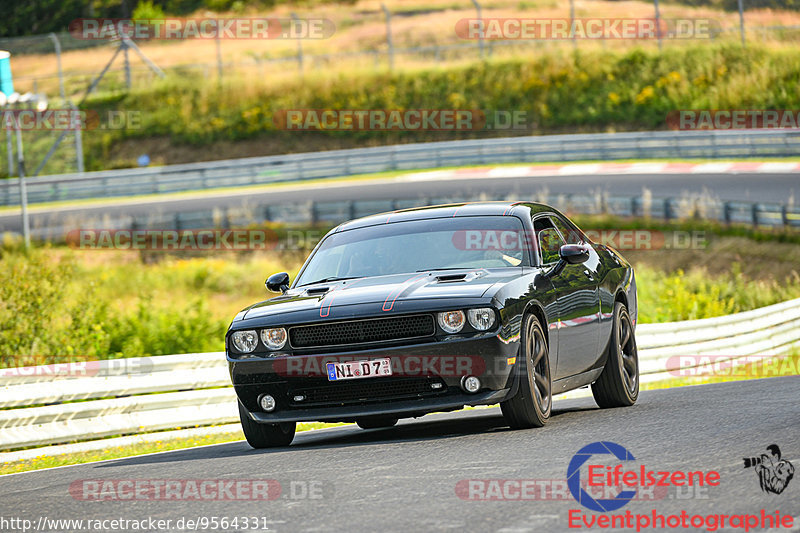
[(559, 91)]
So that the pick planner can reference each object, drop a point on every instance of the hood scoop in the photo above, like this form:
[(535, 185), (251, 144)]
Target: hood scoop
[(449, 278), (317, 290)]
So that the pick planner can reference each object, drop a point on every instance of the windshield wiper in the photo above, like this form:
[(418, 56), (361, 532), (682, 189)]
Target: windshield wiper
[(326, 280)]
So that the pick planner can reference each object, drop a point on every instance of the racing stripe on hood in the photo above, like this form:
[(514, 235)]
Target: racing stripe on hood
[(389, 302), (325, 311)]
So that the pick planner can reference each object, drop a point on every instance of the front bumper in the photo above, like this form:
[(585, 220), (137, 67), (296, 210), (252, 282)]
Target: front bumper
[(426, 378), (396, 409)]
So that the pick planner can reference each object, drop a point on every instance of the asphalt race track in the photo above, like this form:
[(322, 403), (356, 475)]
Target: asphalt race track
[(406, 478), (751, 187)]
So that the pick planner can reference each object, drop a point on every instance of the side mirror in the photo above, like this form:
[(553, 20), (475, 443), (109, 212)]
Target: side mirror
[(278, 282), (573, 254)]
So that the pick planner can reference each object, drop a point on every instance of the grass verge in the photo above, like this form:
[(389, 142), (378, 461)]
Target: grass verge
[(132, 450)]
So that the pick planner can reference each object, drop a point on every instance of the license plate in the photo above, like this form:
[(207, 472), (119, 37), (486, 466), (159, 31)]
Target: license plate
[(359, 369)]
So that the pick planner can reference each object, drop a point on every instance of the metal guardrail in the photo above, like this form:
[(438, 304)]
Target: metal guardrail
[(757, 215), (136, 395), (336, 163)]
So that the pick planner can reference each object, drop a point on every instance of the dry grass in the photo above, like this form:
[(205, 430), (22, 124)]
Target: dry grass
[(362, 27)]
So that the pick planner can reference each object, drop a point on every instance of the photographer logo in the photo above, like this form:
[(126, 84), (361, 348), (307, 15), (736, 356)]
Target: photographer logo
[(774, 473)]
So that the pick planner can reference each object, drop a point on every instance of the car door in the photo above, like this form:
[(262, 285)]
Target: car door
[(578, 300)]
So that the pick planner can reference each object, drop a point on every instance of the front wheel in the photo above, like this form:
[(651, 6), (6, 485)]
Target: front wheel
[(265, 435), (531, 406), (618, 385)]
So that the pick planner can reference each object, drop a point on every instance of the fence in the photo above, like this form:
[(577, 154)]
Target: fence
[(383, 53), (336, 163), (758, 215), (125, 396)]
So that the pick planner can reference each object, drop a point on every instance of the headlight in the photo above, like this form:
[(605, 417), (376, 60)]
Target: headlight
[(481, 319), (451, 321), (274, 338), (245, 341)]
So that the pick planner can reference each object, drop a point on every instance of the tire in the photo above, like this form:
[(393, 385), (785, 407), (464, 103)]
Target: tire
[(376, 422), (618, 385), (265, 435), (532, 404)]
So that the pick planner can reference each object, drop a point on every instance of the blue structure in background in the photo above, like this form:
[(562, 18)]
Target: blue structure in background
[(6, 81)]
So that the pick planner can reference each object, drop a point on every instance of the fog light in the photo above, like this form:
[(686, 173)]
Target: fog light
[(436, 385), (267, 402), (299, 398), (471, 384)]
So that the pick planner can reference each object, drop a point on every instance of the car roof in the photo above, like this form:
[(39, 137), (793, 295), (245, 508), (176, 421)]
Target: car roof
[(464, 209)]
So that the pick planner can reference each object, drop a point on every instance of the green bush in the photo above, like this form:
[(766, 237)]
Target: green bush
[(57, 305), (696, 294), (558, 90)]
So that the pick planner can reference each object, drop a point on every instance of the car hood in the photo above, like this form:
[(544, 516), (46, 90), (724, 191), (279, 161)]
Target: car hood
[(384, 290)]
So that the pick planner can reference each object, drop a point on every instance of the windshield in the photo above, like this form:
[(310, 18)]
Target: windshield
[(419, 245)]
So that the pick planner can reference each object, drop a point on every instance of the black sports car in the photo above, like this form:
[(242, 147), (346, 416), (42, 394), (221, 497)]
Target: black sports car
[(432, 309)]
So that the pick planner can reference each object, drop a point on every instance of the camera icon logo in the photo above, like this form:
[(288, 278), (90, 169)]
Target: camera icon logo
[(774, 473)]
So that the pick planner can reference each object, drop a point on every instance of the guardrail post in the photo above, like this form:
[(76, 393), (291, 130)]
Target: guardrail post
[(389, 44), (658, 23), (352, 209), (312, 212), (299, 43), (667, 209), (634, 206), (785, 216), (267, 214), (177, 221), (480, 19), (741, 21), (726, 212), (754, 214)]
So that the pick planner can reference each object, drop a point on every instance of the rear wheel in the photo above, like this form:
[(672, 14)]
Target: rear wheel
[(618, 385), (374, 422), (531, 406), (265, 435)]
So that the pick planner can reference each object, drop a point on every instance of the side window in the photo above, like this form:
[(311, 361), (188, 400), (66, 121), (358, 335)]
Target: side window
[(573, 236), (548, 239)]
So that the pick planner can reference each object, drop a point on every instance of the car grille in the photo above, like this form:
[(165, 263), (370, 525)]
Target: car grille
[(362, 331), (367, 390)]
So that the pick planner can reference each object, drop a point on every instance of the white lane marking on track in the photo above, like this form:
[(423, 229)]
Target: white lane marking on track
[(778, 167), (567, 170), (710, 168), (644, 168), (427, 176), (510, 172)]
